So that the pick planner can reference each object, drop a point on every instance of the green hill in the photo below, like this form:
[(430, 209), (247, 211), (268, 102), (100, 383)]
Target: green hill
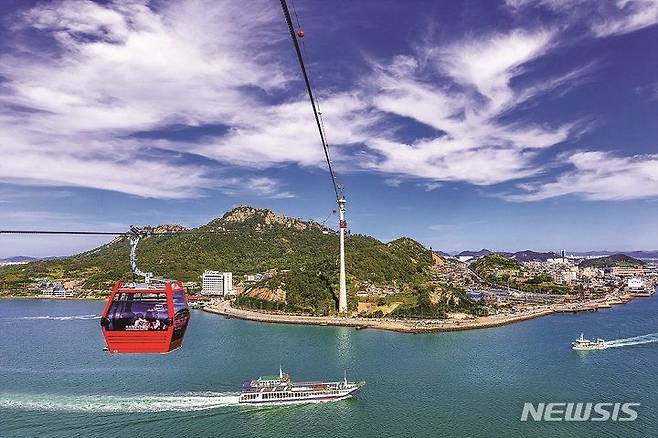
[(611, 261), (302, 255), (502, 271), (494, 263)]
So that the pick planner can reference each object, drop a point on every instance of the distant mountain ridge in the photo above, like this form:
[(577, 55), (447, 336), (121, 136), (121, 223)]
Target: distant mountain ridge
[(642, 255), (482, 252), (18, 259), (28, 259), (531, 255)]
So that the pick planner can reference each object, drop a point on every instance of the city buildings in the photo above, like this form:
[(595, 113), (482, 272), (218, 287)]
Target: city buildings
[(627, 271), (567, 276), (55, 290)]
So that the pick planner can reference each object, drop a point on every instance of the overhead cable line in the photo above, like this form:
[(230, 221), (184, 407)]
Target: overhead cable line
[(309, 89)]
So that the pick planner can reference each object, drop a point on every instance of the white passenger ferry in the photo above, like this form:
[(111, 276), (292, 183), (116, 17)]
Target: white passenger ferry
[(585, 344), (281, 389)]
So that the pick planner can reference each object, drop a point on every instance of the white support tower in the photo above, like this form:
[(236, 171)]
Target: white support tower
[(342, 298)]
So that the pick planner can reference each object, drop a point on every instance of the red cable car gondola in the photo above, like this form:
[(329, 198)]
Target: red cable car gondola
[(145, 318), (149, 317)]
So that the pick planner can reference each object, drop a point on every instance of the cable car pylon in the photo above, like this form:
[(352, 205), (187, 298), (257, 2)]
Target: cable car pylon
[(340, 198)]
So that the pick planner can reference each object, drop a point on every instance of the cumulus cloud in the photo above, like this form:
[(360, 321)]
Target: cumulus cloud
[(599, 176)]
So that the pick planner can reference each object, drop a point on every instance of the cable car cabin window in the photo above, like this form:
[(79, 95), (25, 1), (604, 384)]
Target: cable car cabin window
[(182, 315), (139, 312), (179, 302)]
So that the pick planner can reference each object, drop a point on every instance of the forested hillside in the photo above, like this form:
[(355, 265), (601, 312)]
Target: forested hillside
[(303, 255)]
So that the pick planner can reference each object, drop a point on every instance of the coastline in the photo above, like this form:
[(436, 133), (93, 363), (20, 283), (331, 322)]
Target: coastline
[(412, 326), (41, 297), (398, 325), (401, 326)]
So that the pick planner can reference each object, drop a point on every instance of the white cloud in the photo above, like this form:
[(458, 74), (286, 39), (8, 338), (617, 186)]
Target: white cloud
[(175, 66), (604, 18), (124, 67), (599, 176), (393, 182), (430, 186), (446, 228), (471, 144), (260, 186), (631, 15), (287, 132), (489, 63)]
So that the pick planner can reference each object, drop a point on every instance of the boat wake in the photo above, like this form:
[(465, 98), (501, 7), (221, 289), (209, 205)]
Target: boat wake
[(176, 402), (56, 318), (636, 340)]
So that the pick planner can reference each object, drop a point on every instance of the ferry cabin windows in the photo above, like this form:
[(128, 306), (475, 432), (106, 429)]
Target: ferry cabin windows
[(280, 395), (295, 395)]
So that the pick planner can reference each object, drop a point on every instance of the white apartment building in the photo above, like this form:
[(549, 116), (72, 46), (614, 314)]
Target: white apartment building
[(567, 276), (589, 272), (217, 284), (635, 283)]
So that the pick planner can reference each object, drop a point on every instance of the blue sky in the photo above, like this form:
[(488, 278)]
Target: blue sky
[(510, 125)]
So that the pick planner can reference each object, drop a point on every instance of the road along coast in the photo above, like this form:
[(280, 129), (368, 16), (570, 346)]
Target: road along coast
[(399, 325)]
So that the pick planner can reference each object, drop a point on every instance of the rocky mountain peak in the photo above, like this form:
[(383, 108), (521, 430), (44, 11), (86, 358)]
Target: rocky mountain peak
[(262, 218), (169, 228)]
